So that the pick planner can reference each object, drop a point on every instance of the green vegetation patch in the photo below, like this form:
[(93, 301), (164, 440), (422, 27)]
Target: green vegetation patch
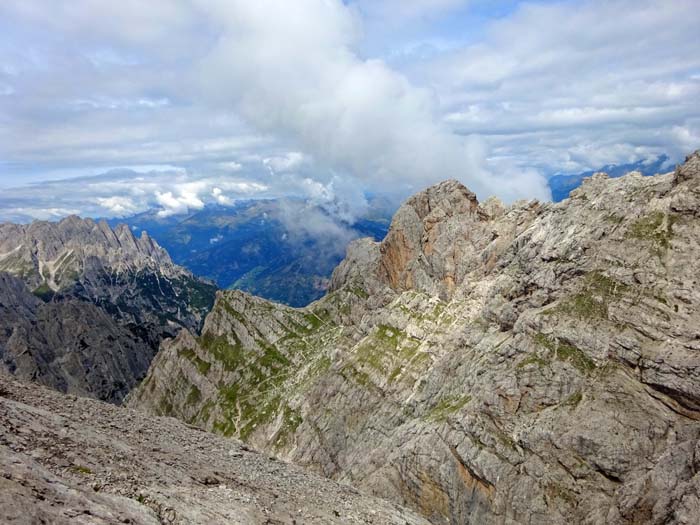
[(230, 355), (574, 399), (378, 349), (262, 375), (291, 419), (244, 413), (195, 396), (447, 406), (44, 292), (592, 302), (80, 469), (533, 359), (565, 352), (202, 365), (655, 229), (200, 295), (165, 406), (359, 292)]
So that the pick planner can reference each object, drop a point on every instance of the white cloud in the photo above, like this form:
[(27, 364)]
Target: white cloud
[(288, 162), (220, 198), (231, 166), (400, 10), (124, 192), (279, 97), (553, 78), (119, 206), (289, 68)]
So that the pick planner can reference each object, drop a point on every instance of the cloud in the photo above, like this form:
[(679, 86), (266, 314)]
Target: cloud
[(402, 10), (290, 68), (328, 99), (231, 166), (305, 222), (124, 192), (220, 198), (289, 162), (119, 206), (581, 83)]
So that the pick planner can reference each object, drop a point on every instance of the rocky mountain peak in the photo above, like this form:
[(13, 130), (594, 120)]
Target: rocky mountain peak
[(436, 237), (689, 170), (536, 363), (446, 198), (419, 251), (83, 307), (54, 253)]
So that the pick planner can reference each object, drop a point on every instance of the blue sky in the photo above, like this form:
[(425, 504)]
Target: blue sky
[(113, 108)]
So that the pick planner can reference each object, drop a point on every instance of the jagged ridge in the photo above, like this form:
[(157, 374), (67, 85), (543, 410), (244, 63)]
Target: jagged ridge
[(483, 364), (96, 303)]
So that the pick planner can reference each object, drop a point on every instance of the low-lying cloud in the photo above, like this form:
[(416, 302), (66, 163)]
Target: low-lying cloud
[(123, 193), (321, 99)]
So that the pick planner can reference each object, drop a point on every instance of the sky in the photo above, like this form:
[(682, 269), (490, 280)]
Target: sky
[(113, 108)]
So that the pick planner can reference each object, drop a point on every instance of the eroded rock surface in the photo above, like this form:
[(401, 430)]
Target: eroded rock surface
[(67, 460), (532, 363), (83, 308)]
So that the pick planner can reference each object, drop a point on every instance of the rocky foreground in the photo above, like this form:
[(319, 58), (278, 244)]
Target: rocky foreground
[(484, 364), (71, 460)]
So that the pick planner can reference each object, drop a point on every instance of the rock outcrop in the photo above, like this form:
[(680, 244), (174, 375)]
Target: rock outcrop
[(83, 308), (532, 363), (68, 460)]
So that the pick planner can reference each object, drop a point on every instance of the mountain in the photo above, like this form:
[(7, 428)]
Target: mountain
[(284, 250), (68, 460), (533, 363), (84, 307), (562, 185)]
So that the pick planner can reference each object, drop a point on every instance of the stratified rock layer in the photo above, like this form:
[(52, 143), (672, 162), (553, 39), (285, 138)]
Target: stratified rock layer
[(68, 460), (83, 308), (536, 363)]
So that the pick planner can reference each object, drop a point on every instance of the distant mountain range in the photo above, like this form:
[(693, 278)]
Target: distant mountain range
[(562, 185), (283, 250), (84, 307)]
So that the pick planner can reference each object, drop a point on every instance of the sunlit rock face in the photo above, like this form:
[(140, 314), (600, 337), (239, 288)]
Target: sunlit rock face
[(532, 363), (83, 307)]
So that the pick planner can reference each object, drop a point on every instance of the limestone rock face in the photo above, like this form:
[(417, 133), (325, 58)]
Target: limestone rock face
[(485, 364), (428, 237), (83, 308), (67, 460), (56, 253)]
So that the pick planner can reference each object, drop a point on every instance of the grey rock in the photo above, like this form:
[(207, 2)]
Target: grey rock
[(71, 460), (536, 363), (83, 308)]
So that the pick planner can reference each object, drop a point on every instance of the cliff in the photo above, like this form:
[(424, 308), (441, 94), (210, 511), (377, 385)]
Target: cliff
[(533, 363)]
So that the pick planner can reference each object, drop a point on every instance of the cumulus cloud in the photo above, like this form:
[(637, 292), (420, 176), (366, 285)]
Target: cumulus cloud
[(578, 84), (220, 198), (119, 193), (119, 206), (304, 221), (291, 68), (309, 98)]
